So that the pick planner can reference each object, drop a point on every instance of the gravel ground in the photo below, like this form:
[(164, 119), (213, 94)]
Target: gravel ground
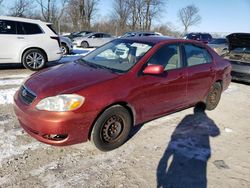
[(185, 149)]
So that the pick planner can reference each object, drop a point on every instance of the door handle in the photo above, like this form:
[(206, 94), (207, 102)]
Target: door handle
[(20, 37)]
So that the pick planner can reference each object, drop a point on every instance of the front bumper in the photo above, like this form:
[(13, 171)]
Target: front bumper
[(72, 127)]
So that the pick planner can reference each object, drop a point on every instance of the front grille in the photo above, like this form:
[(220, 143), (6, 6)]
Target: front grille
[(26, 95)]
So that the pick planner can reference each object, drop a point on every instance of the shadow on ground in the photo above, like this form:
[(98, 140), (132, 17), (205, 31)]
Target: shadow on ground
[(184, 162)]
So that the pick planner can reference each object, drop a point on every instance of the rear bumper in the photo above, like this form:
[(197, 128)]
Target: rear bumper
[(240, 71), (239, 76), (74, 127)]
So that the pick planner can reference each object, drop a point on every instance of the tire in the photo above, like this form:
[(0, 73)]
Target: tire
[(65, 49), (213, 96), (34, 59), (85, 44), (112, 128)]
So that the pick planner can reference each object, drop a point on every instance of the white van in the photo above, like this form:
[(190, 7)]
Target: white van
[(30, 42)]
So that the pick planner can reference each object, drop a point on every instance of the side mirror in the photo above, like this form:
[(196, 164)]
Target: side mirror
[(93, 37), (154, 69)]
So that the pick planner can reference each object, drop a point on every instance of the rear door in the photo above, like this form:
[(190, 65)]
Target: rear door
[(201, 71)]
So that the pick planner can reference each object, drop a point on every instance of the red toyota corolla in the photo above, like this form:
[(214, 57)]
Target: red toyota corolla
[(124, 83)]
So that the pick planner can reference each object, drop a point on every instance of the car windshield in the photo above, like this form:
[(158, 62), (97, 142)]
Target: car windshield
[(117, 55), (218, 41)]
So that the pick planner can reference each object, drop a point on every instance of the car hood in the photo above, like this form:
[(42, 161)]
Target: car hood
[(66, 78), (238, 40)]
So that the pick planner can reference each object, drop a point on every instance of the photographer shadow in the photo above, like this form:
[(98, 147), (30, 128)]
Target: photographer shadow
[(184, 162)]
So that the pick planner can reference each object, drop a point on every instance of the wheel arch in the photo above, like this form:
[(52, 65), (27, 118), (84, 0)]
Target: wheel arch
[(36, 48), (126, 105), (86, 42)]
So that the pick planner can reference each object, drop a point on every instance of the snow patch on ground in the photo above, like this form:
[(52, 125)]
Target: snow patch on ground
[(16, 76), (232, 88), (8, 143), (6, 95), (4, 82)]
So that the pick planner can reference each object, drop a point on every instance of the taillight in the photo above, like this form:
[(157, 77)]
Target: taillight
[(58, 40)]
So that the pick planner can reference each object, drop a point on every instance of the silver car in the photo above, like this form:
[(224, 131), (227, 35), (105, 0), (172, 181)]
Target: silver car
[(92, 40), (66, 45)]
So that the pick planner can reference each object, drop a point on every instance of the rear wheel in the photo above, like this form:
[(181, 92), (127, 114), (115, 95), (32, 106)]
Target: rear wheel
[(112, 128), (65, 49), (34, 59), (213, 96), (84, 44)]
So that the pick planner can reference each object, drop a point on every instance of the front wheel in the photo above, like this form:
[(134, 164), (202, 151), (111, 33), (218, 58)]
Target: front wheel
[(112, 128), (34, 59), (213, 96), (84, 44)]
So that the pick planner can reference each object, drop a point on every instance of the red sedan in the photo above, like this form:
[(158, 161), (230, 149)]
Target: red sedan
[(124, 83)]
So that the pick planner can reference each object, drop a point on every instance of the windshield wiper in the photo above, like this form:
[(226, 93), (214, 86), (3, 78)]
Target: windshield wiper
[(93, 65)]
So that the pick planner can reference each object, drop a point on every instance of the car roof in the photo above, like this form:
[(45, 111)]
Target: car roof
[(160, 39), (151, 39), (11, 18)]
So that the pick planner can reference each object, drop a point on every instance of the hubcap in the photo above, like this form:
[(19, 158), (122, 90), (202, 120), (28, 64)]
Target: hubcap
[(64, 50), (112, 129), (35, 60), (214, 96)]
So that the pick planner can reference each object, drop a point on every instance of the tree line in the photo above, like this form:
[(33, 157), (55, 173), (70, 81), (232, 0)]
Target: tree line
[(126, 15)]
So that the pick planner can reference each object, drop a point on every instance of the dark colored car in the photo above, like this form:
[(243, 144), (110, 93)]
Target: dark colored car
[(203, 37), (239, 56), (119, 85)]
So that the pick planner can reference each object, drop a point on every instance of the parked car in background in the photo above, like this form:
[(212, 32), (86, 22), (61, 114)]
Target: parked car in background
[(92, 40), (78, 34), (30, 42), (110, 92), (140, 34), (239, 55), (203, 37), (219, 45), (66, 45)]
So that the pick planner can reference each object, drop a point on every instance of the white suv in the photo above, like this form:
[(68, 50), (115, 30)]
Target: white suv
[(31, 42)]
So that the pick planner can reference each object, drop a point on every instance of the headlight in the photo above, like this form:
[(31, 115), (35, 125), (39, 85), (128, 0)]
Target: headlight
[(61, 103)]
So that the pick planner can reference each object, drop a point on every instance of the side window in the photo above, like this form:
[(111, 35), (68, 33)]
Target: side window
[(7, 27), (168, 56), (196, 55), (98, 35), (106, 36), (31, 29), (20, 29)]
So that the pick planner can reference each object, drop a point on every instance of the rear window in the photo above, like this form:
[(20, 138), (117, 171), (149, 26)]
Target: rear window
[(31, 29), (52, 28), (7, 27)]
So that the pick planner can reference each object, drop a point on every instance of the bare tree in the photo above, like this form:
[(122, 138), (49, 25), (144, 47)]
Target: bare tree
[(90, 10), (189, 16), (21, 8), (153, 10), (50, 10), (82, 12), (121, 11)]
